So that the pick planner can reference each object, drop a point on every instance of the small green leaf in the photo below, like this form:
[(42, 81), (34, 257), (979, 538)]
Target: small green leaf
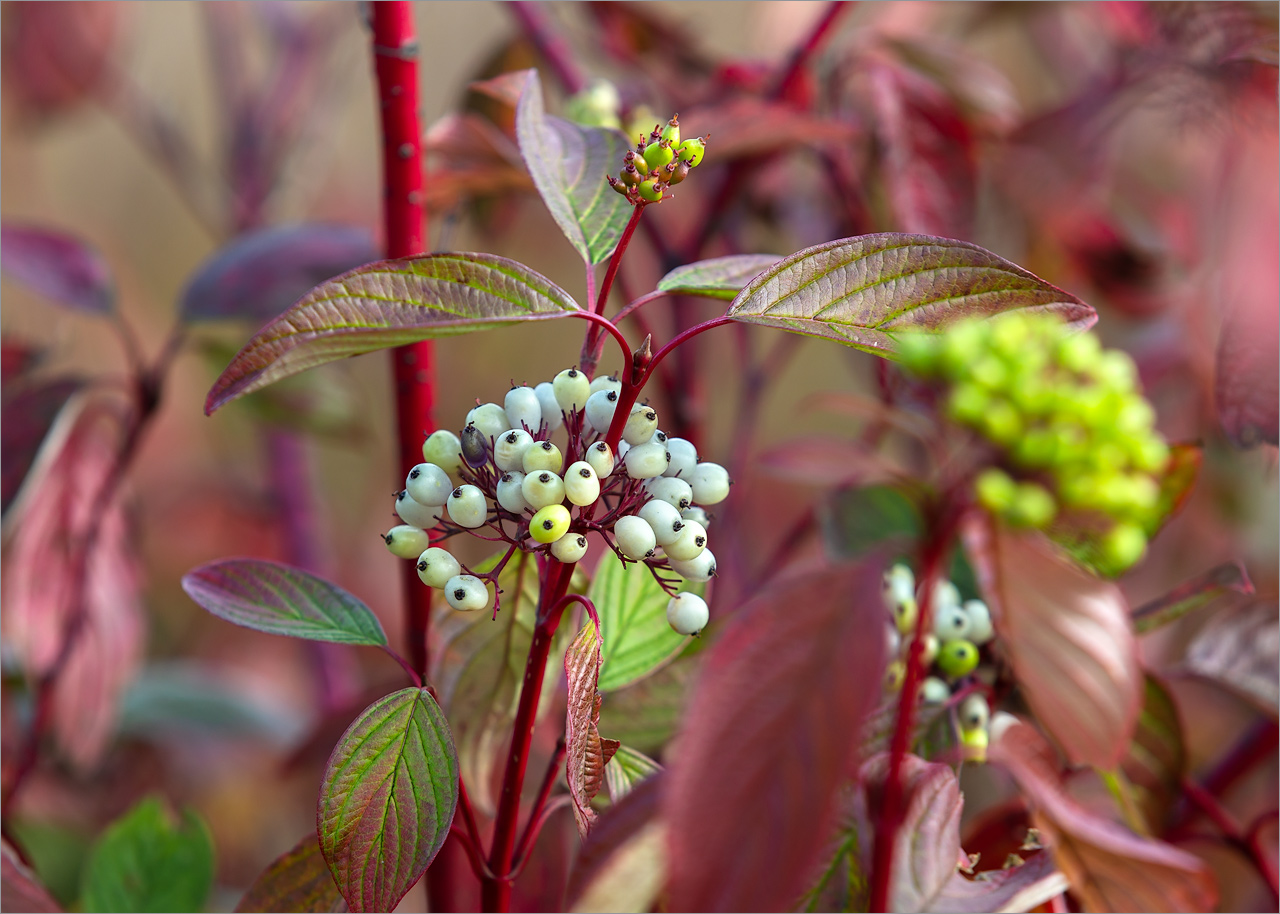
[(719, 277), (1157, 757), (625, 770), (387, 799), (633, 622), (861, 291), (390, 303), (569, 163), (298, 880), (146, 862), (280, 600)]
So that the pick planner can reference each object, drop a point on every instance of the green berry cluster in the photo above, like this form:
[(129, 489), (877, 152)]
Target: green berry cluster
[(952, 650), (658, 164), (1079, 450)]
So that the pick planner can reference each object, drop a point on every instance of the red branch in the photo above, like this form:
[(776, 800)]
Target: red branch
[(395, 55)]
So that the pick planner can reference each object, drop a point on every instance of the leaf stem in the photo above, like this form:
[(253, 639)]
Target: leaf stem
[(680, 339), (495, 890), (940, 532), (613, 330), (405, 665), (636, 304)]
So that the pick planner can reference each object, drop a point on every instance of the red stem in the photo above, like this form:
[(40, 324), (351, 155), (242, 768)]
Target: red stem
[(495, 890), (933, 554), (550, 45), (395, 53), (1248, 845), (591, 345), (548, 782), (804, 52)]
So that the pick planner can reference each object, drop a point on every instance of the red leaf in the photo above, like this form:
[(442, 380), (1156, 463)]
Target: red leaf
[(1069, 639), (20, 890), (1110, 868), (297, 880), (1240, 648), (60, 267), (621, 863), (772, 731), (27, 417), (586, 753)]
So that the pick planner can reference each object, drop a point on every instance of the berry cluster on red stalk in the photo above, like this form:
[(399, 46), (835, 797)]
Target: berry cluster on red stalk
[(654, 167)]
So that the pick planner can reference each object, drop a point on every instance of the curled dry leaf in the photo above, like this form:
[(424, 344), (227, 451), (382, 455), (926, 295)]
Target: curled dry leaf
[(1068, 637), (586, 754), (1109, 867)]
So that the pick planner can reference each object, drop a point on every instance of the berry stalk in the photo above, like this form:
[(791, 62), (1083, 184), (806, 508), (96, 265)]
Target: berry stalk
[(395, 52)]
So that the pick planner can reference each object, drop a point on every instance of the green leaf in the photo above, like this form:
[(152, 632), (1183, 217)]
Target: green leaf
[(633, 622), (281, 600), (387, 799), (862, 291), (1157, 758), (478, 665), (147, 862), (625, 770), (297, 880), (390, 303), (719, 277), (569, 163), (645, 715)]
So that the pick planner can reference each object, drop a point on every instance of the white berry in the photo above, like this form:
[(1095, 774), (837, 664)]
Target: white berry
[(550, 408), (702, 568), (571, 388), (710, 483), (696, 513), (510, 493), (444, 449), (415, 514), (601, 459), (684, 457), (675, 492), (635, 537), (899, 585), (606, 382), (664, 519), (542, 489), (509, 448), (945, 595), (570, 549), (980, 628), (974, 713), (406, 542), (542, 455), (933, 691), (466, 593), (523, 409), (646, 461), (428, 484), (581, 485), (687, 613), (600, 408), (641, 425), (436, 566), (951, 623), (689, 542), (490, 418), (467, 506)]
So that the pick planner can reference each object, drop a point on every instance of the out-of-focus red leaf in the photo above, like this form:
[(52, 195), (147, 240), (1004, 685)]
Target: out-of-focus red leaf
[(40, 591), (20, 890), (1246, 390), (826, 461), (470, 157), (621, 864), (632, 30), (586, 753), (1216, 584), (16, 359), (755, 126), (58, 266), (772, 731), (297, 880), (56, 54), (27, 416), (1068, 637), (505, 88), (1110, 868), (1240, 648)]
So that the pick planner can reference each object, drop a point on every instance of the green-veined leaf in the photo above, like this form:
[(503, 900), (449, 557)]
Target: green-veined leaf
[(625, 770), (719, 277), (298, 880), (861, 291), (569, 163), (390, 303), (387, 799), (633, 623), (281, 600)]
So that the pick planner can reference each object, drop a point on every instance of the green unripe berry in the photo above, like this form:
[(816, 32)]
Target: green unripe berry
[(550, 523), (1152, 454), (467, 507), (1036, 448), (1116, 370), (1122, 546), (671, 132), (958, 658), (918, 352), (974, 744), (649, 189), (692, 151), (990, 372), (960, 343), (1079, 352), (406, 542), (658, 155), (443, 449), (1032, 506), (571, 388), (894, 673), (540, 456), (1001, 422), (905, 613)]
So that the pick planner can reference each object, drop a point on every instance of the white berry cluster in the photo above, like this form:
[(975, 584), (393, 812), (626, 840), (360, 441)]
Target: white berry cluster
[(951, 650), (505, 479)]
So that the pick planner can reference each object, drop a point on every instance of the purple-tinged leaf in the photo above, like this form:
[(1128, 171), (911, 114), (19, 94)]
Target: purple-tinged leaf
[(478, 664), (861, 291), (387, 799), (1202, 590), (297, 880), (771, 733), (827, 461), (280, 600), (622, 864), (625, 770), (1240, 648), (1068, 637), (586, 754), (569, 163), (470, 157), (261, 273), (1025, 887), (719, 277), (387, 304), (633, 622), (60, 267), (28, 415), (1109, 867), (20, 890), (752, 126), (1157, 758)]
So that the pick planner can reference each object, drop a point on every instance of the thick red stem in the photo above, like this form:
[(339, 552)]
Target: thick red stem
[(933, 554), (592, 345), (495, 891)]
